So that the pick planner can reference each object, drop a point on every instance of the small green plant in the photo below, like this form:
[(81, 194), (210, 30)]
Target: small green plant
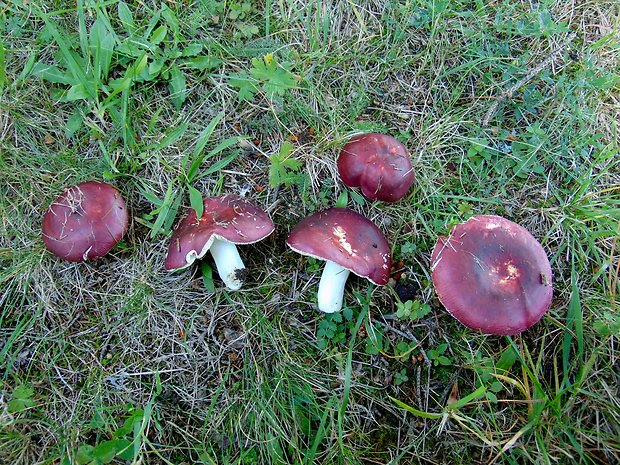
[(412, 310), (488, 369), (538, 23), (239, 13), (608, 324), (21, 399), (527, 151), (266, 74), (408, 248), (481, 155), (124, 445), (235, 17), (400, 377), (334, 327), (284, 169), (375, 342), (428, 13), (437, 355), (519, 156), (465, 209), (403, 350)]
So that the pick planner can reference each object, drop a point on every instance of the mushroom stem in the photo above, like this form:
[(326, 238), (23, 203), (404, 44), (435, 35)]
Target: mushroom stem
[(331, 287), (229, 265)]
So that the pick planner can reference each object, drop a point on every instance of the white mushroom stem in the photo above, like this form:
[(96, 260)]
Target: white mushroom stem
[(331, 287), (229, 265)]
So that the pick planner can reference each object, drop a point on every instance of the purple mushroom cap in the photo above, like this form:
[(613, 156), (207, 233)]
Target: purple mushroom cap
[(492, 275), (85, 222), (378, 164), (228, 218), (346, 238)]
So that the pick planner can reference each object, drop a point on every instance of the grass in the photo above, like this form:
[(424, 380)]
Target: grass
[(118, 361)]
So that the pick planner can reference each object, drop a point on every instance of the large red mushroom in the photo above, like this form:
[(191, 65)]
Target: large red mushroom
[(492, 275), (85, 222), (227, 221), (378, 164), (347, 242)]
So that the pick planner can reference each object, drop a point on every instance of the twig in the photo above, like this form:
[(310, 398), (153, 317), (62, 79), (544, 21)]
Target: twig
[(406, 335), (418, 386), (508, 93)]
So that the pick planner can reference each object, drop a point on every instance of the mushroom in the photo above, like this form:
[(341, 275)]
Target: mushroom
[(379, 164), (348, 242), (492, 275), (85, 222), (227, 221)]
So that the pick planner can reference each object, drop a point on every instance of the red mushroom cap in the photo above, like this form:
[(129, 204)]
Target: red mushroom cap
[(378, 164), (228, 217), (85, 222), (492, 275), (346, 238)]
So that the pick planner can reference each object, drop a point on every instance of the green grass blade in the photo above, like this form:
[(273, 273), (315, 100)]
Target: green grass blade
[(9, 343), (172, 214), (149, 195), (203, 140), (119, 85), (76, 70), (195, 166), (348, 369), (2, 66), (82, 32), (101, 48), (415, 411), (321, 432), (164, 211), (468, 398), (207, 276), (125, 122), (53, 74), (574, 330), (126, 17), (195, 200), (172, 136), (219, 165), (26, 70), (178, 87)]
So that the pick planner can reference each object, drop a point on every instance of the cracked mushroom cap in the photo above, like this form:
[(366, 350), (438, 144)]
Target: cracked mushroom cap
[(346, 238), (492, 275), (85, 222), (378, 164), (228, 217)]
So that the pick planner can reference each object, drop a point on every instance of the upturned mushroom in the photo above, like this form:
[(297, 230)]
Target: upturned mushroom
[(378, 164), (492, 275), (348, 242), (85, 222), (227, 221)]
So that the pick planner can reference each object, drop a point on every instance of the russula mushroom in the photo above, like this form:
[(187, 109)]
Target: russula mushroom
[(378, 164), (85, 222), (227, 221), (492, 275), (348, 242)]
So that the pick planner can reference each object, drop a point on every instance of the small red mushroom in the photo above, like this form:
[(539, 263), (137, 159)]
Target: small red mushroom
[(348, 242), (492, 275), (227, 220), (85, 222), (379, 164)]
